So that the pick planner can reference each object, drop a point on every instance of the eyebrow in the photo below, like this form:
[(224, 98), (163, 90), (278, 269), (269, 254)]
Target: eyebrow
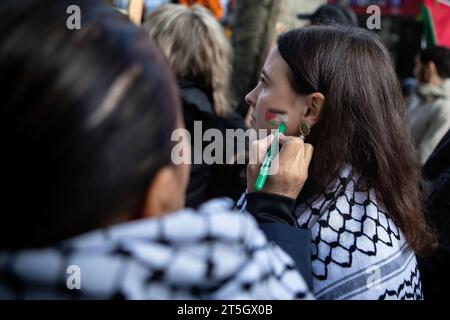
[(264, 73)]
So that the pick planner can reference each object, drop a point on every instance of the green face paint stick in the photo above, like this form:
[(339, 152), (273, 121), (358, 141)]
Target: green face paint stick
[(265, 167)]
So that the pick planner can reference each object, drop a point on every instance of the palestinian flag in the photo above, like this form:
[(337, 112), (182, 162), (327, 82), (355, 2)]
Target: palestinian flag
[(436, 16)]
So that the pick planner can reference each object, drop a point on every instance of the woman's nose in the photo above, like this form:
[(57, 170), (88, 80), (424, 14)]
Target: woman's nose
[(250, 98)]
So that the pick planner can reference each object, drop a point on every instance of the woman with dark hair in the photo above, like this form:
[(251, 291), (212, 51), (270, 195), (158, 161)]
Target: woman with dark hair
[(93, 203), (362, 201)]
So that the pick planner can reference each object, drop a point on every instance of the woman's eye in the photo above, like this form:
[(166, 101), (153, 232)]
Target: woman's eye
[(262, 80)]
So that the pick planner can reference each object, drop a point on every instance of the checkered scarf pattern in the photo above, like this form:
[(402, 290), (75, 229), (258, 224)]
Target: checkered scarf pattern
[(211, 253)]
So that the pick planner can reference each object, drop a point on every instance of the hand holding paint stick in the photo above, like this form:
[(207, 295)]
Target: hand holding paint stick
[(265, 166), (299, 160), (293, 161)]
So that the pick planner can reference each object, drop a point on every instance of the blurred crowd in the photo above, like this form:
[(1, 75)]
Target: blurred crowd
[(87, 121)]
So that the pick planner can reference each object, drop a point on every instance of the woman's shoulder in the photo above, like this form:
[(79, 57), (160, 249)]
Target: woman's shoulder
[(350, 212), (349, 222), (355, 240)]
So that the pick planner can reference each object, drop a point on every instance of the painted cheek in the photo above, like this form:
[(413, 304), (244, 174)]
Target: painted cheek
[(275, 118), (270, 117)]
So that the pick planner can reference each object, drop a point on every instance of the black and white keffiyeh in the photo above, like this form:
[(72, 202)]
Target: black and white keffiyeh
[(212, 253), (358, 251)]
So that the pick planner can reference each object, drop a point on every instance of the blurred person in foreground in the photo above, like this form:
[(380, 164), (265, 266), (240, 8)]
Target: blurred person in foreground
[(199, 54), (86, 123), (429, 115)]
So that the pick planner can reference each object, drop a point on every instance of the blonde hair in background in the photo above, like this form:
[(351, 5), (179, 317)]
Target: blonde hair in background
[(195, 45)]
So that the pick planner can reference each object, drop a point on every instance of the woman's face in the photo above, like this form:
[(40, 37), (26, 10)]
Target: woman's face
[(273, 98)]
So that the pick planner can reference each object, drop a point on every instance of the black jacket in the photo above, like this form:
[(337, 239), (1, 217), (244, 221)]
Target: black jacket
[(215, 180), (435, 269), (274, 214)]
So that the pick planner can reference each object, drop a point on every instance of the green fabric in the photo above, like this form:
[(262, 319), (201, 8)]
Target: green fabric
[(429, 31)]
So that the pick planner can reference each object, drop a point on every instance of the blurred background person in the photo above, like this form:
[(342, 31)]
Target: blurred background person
[(335, 14), (435, 269), (199, 54), (429, 116)]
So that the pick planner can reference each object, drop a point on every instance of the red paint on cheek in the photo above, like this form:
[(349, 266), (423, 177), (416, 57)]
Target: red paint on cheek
[(269, 116), (274, 118)]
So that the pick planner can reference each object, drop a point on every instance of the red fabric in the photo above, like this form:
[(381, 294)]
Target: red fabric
[(440, 14)]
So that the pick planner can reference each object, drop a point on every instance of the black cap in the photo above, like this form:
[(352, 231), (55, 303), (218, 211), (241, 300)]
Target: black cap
[(331, 14)]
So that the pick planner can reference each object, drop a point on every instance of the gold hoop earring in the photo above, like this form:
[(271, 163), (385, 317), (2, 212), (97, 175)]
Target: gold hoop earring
[(304, 130)]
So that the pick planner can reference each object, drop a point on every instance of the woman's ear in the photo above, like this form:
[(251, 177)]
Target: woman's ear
[(314, 107), (165, 193)]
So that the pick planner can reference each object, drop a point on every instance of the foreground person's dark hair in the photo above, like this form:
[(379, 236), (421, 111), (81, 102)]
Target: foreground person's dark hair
[(362, 122), (86, 117)]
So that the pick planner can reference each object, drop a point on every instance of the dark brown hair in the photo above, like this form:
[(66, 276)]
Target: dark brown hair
[(86, 118), (362, 122)]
